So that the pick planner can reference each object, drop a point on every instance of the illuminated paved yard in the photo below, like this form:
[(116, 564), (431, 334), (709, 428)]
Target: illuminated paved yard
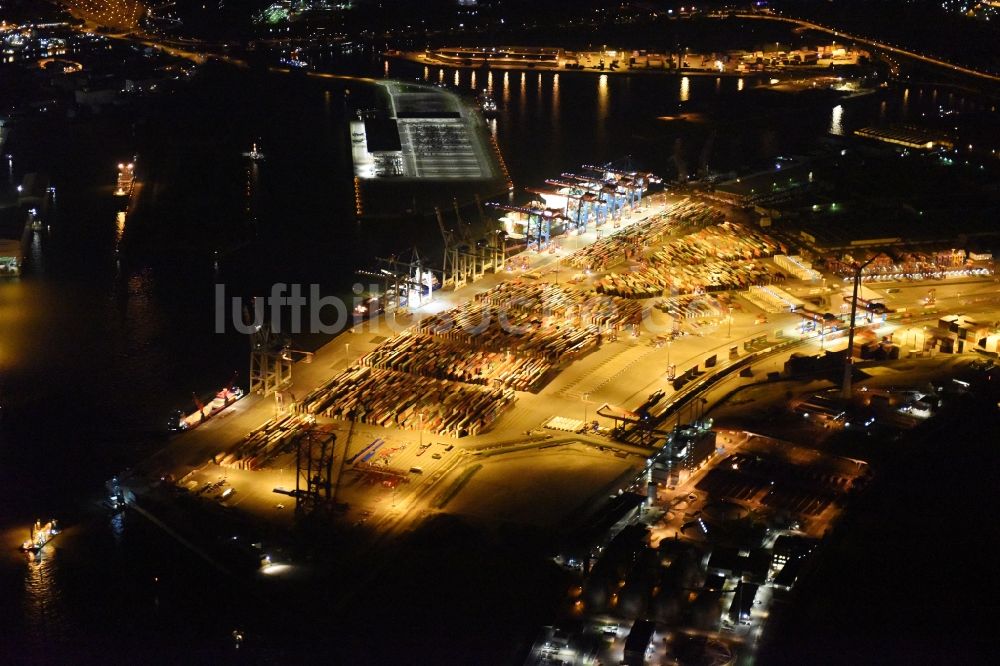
[(545, 485), (521, 473), (192, 450), (540, 487)]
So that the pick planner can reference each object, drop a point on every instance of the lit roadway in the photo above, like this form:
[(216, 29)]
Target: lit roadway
[(870, 42)]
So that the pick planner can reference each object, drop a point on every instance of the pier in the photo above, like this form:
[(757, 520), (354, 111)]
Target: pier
[(421, 147)]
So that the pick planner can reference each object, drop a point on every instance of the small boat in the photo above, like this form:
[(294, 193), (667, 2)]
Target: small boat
[(254, 153), (487, 104)]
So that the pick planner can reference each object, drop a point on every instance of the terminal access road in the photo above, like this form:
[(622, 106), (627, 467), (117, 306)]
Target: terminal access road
[(937, 62)]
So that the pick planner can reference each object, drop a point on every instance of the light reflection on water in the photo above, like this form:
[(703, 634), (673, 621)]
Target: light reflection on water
[(43, 606), (603, 103), (35, 254), (16, 313), (555, 97), (117, 524), (119, 227), (523, 101), (253, 176), (602, 96), (836, 120)]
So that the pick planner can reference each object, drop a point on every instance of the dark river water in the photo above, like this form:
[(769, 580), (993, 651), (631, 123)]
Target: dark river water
[(112, 325)]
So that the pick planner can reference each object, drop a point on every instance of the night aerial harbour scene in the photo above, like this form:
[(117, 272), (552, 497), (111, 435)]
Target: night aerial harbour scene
[(484, 332)]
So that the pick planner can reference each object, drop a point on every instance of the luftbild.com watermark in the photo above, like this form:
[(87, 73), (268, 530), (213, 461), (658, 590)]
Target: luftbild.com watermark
[(296, 308)]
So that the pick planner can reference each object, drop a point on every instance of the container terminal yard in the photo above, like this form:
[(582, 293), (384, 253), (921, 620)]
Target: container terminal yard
[(726, 400), (565, 378)]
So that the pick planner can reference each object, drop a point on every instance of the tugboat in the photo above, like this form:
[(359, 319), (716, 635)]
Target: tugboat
[(487, 104)]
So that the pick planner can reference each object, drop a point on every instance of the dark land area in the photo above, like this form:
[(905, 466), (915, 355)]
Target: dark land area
[(904, 577)]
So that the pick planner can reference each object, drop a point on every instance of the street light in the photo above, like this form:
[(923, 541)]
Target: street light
[(586, 398), (347, 353), (421, 415)]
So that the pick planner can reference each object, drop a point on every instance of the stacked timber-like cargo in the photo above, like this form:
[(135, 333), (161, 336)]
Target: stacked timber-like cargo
[(388, 398), (430, 356)]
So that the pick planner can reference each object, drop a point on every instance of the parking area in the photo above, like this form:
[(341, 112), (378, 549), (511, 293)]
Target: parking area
[(440, 148)]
